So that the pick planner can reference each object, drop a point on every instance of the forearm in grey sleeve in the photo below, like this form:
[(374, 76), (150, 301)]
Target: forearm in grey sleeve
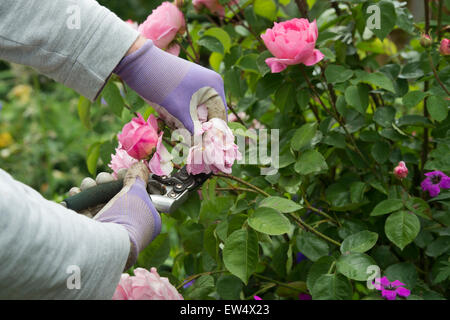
[(50, 252), (75, 42)]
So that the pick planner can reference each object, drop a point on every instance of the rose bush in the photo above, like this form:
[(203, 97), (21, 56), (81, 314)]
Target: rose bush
[(360, 191)]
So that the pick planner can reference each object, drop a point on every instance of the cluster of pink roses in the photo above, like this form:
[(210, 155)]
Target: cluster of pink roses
[(214, 149)]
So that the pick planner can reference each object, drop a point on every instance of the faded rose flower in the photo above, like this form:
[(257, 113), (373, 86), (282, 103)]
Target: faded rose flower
[(120, 160), (444, 49), (292, 42), (214, 149), (401, 171), (139, 137), (163, 24), (145, 285), (161, 162)]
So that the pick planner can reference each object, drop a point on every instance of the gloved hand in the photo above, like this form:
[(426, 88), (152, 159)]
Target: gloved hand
[(174, 86), (131, 208)]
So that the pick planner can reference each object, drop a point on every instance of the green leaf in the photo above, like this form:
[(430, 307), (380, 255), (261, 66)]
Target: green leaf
[(311, 245), (438, 108), (380, 151), (377, 79), (200, 289), (84, 111), (240, 253), (404, 272), (229, 287), (401, 228), (412, 98), (261, 63), (438, 247), (357, 191), (335, 139), (220, 35), (280, 204), (303, 136), (113, 98), (384, 116), (358, 97), (388, 18), (354, 266), (92, 157), (212, 44), (320, 267), (310, 162), (332, 287), (414, 120), (156, 252), (269, 221), (265, 8), (419, 207), (359, 242), (248, 63), (387, 206), (336, 74)]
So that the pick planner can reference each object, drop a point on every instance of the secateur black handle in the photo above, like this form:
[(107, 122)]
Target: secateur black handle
[(91, 197)]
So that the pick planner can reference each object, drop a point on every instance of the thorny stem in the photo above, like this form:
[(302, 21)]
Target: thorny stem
[(436, 75), (242, 22), (236, 114), (439, 19), (309, 206), (299, 221), (189, 40)]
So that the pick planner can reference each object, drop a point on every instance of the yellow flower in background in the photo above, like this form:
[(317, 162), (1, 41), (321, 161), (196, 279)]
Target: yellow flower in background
[(22, 92), (5, 139)]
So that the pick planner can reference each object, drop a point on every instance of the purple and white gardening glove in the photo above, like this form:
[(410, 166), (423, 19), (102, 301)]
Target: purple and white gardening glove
[(174, 86), (131, 208)]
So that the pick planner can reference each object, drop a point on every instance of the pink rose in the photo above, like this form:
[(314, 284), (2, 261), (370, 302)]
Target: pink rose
[(214, 149), (120, 160), (145, 285), (292, 42), (163, 25), (401, 171), (139, 137), (445, 47), (161, 162), (213, 5)]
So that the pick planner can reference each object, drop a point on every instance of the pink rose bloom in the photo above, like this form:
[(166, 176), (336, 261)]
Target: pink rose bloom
[(133, 24), (139, 137), (213, 5), (215, 151), (120, 160), (161, 162), (401, 171), (163, 25), (445, 47), (145, 285), (292, 42)]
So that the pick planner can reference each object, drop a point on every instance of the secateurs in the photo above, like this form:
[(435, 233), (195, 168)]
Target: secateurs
[(167, 192)]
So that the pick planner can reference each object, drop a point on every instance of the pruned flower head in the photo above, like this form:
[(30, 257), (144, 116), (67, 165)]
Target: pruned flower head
[(401, 171)]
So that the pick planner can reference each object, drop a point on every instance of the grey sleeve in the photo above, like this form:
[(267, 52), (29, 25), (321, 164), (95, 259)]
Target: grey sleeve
[(75, 42), (50, 252)]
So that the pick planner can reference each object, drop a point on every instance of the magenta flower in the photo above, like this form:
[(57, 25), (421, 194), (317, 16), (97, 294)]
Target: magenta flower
[(390, 290), (257, 298), (434, 182), (304, 296)]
